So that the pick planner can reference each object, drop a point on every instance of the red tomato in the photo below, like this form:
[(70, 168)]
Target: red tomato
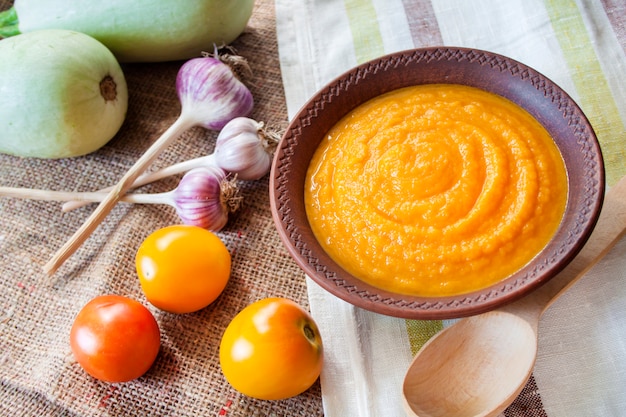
[(182, 268), (115, 339), (271, 350)]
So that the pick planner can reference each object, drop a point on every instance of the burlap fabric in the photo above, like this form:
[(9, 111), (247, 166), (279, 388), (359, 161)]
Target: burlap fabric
[(38, 375)]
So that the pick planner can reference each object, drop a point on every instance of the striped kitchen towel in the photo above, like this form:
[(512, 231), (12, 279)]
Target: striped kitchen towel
[(581, 45)]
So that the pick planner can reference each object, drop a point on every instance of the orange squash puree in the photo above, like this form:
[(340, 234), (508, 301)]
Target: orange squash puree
[(435, 190)]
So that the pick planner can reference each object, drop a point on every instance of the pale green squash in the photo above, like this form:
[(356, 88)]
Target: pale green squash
[(62, 94), (137, 30)]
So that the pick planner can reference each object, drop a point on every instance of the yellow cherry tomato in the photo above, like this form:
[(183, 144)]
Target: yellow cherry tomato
[(271, 350), (182, 268)]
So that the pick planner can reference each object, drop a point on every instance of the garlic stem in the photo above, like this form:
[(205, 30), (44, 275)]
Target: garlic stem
[(150, 177), (89, 197), (181, 124), (46, 195)]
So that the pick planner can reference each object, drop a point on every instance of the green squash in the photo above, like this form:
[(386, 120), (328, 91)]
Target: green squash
[(137, 30), (62, 94)]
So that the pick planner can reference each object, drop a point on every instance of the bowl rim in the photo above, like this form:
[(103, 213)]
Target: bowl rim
[(453, 65)]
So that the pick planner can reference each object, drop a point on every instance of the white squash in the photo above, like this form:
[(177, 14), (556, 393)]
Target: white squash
[(137, 30), (62, 94)]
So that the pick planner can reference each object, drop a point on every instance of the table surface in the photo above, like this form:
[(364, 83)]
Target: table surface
[(38, 375)]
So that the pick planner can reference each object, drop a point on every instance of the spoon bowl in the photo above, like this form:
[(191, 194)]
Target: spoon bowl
[(479, 365), (484, 334)]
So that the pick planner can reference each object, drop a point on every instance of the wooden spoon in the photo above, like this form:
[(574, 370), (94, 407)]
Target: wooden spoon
[(479, 365)]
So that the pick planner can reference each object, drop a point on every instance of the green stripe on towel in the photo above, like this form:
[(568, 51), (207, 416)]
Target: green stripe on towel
[(596, 98), (368, 41), (420, 331)]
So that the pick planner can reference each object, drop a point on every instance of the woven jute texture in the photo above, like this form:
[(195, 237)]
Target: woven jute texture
[(38, 374)]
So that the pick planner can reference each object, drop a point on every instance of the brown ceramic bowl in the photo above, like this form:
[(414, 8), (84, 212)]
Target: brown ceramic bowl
[(548, 103)]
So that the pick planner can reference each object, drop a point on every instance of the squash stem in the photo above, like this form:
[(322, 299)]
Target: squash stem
[(8, 23)]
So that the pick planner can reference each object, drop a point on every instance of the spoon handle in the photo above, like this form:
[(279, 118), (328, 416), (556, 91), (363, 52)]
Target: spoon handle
[(609, 229)]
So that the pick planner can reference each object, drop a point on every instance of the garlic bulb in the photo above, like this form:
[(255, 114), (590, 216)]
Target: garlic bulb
[(246, 148), (211, 94), (205, 197)]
